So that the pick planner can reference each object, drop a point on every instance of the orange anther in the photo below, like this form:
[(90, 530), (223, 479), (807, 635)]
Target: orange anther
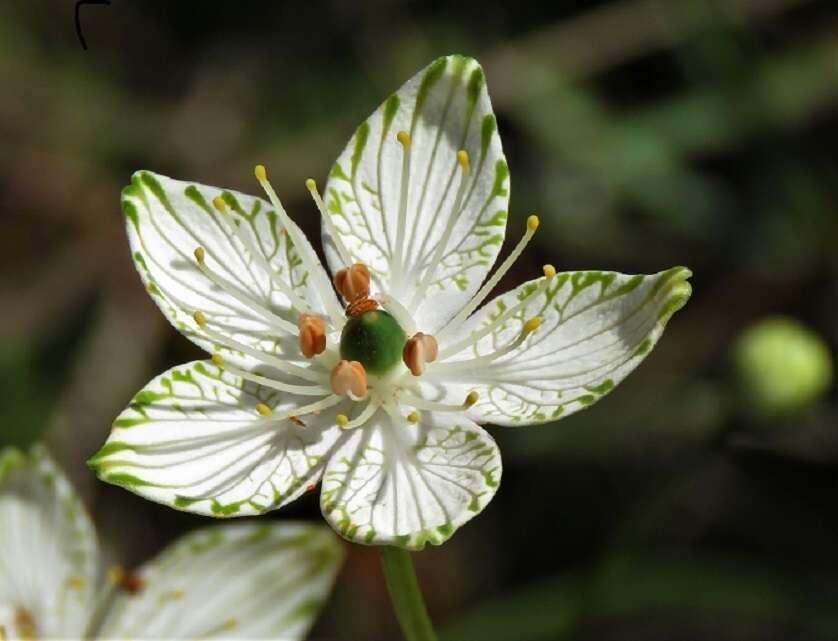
[(132, 583), (419, 350), (353, 282), (312, 334), (360, 306), (349, 376)]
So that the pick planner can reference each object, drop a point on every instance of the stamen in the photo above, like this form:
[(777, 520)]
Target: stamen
[(342, 420), (413, 417), (433, 406), (312, 335), (471, 399), (370, 409), (453, 216), (237, 231), (404, 139), (349, 377), (264, 381), (353, 282), (249, 303), (488, 359), (267, 359), (310, 261), (361, 306), (474, 337), (530, 326), (116, 573), (419, 350), (345, 257), (311, 408), (263, 409), (25, 624), (489, 285)]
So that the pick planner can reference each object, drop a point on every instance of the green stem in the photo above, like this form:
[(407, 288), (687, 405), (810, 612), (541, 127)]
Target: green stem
[(405, 595)]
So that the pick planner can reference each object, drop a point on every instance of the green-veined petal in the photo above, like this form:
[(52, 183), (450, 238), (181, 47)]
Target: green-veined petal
[(193, 439), (444, 108), (255, 269), (410, 484), (596, 327), (48, 551), (231, 581)]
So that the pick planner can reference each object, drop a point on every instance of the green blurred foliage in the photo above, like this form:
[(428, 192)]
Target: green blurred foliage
[(644, 133)]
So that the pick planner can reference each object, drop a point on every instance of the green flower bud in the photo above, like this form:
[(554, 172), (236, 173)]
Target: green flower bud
[(782, 365)]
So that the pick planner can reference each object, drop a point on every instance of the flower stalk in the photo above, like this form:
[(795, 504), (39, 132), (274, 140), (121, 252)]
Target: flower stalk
[(405, 594)]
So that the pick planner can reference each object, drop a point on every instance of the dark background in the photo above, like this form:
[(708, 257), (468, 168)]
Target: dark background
[(645, 134)]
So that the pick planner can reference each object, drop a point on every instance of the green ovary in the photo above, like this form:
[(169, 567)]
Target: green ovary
[(374, 339)]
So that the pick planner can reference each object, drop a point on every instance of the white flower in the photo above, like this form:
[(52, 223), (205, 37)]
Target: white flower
[(242, 581), (383, 405)]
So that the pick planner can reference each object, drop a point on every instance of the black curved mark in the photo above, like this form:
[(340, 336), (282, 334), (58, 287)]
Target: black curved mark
[(78, 21)]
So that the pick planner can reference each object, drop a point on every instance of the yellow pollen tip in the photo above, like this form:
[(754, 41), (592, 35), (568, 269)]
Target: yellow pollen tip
[(219, 203), (462, 158), (263, 409), (200, 254), (115, 574), (549, 271), (532, 223), (413, 417), (200, 318), (471, 399), (404, 138), (217, 359), (311, 185), (342, 420), (260, 173), (531, 325)]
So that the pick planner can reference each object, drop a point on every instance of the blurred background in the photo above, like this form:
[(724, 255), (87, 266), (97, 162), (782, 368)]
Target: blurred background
[(698, 500)]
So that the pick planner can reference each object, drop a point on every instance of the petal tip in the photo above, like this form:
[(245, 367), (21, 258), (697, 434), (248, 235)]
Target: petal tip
[(678, 292)]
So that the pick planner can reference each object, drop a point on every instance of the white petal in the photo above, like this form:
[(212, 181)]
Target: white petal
[(192, 439), (168, 219), (596, 328), (48, 551), (406, 484), (233, 581), (444, 108)]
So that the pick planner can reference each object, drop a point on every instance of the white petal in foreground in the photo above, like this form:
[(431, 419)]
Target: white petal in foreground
[(234, 581), (410, 484), (596, 328), (395, 226), (194, 439), (254, 282), (48, 551)]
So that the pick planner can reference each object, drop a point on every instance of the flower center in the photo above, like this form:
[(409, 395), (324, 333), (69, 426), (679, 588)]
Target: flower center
[(374, 339)]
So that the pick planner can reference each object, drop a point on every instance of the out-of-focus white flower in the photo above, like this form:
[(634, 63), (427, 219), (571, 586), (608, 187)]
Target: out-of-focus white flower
[(235, 581)]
